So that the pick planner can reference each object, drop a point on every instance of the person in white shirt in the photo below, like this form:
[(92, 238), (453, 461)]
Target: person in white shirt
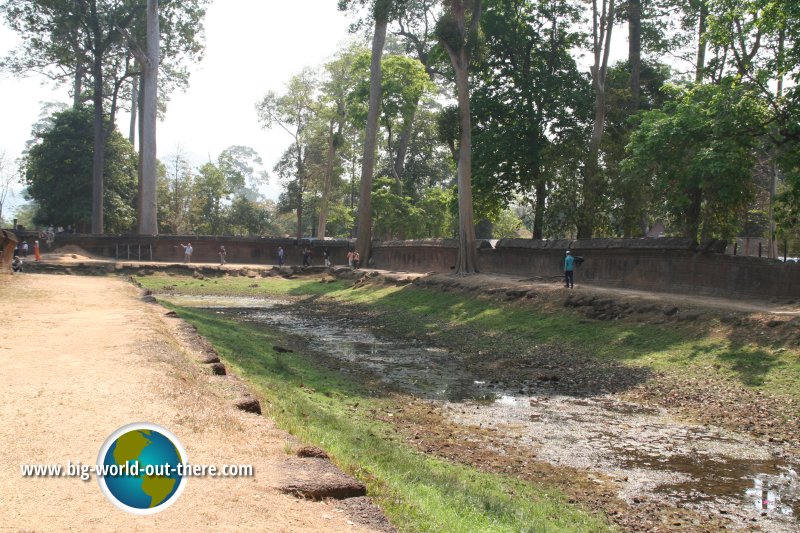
[(187, 252)]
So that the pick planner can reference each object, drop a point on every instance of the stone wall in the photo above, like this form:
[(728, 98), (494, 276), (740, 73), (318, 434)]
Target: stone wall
[(666, 265), (8, 241), (206, 249), (435, 255)]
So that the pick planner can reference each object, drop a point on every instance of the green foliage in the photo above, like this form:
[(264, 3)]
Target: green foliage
[(632, 200), (788, 202), (26, 213), (239, 165), (209, 189), (245, 217), (58, 172), (428, 163), (529, 97), (400, 217), (404, 82), (506, 225), (699, 153)]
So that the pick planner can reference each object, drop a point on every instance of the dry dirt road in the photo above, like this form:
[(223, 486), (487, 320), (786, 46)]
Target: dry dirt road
[(83, 356)]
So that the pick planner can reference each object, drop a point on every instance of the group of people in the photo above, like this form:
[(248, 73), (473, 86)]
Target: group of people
[(308, 256), (22, 249), (353, 259)]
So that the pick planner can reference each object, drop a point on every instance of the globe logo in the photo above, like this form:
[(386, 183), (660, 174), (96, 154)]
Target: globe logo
[(137, 468)]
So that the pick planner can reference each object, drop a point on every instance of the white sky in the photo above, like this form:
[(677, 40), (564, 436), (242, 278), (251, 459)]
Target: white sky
[(252, 46)]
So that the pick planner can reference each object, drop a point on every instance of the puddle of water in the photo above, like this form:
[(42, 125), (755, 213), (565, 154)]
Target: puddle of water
[(766, 485), (700, 467), (220, 302)]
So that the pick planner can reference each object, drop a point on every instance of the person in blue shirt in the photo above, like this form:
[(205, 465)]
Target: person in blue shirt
[(569, 266)]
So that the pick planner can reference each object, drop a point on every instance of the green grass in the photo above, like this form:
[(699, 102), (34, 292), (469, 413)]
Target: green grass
[(325, 408), (473, 324)]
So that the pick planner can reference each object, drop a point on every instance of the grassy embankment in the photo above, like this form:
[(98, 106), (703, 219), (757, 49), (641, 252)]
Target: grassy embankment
[(422, 493), (326, 408), (472, 324)]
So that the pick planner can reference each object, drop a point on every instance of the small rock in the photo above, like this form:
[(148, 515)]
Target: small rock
[(218, 369), (248, 404), (281, 349), (208, 358), (312, 451), (319, 479)]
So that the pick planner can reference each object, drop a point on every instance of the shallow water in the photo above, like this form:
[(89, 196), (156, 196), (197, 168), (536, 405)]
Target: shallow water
[(648, 454)]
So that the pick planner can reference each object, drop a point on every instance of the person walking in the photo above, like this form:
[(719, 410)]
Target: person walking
[(36, 251), (350, 258), (24, 248), (327, 256), (187, 252), (569, 267), (356, 259), (280, 255), (222, 255)]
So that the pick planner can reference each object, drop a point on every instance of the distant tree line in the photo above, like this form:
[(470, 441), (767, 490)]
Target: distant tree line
[(490, 118)]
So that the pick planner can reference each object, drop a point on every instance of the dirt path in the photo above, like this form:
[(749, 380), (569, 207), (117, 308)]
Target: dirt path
[(83, 356)]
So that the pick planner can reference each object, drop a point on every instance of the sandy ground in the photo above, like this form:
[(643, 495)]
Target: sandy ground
[(83, 356)]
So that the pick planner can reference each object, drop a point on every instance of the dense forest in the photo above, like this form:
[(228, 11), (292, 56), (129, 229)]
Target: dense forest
[(448, 118)]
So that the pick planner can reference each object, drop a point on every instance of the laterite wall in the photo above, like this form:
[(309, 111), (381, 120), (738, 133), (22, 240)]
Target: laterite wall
[(666, 265)]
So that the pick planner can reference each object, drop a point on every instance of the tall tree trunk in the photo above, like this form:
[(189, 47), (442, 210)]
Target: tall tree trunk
[(134, 109), (538, 209), (693, 213), (300, 184), (603, 24), (402, 148), (77, 87), (635, 61), (635, 49), (140, 133), (364, 235), (99, 156), (700, 66), (326, 191), (772, 242), (456, 36), (467, 245), (591, 185), (148, 223)]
